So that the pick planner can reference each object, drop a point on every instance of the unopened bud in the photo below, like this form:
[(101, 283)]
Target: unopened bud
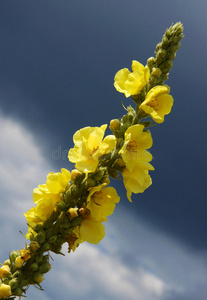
[(33, 267), (45, 268), (156, 72), (100, 174), (46, 247), (90, 183), (115, 124), (151, 62), (61, 205), (4, 270), (38, 278), (7, 262), (13, 255), (34, 246), (75, 174), (14, 283), (17, 292), (40, 237), (162, 53)]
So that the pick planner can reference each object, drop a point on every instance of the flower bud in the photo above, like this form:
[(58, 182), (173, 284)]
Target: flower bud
[(46, 247), (13, 255), (38, 258), (90, 183), (61, 205), (75, 175), (34, 246), (14, 283), (151, 62), (38, 278), (40, 237), (101, 172), (156, 72), (5, 290), (162, 53), (7, 262), (33, 267), (115, 124), (24, 282), (17, 292), (45, 268), (4, 270)]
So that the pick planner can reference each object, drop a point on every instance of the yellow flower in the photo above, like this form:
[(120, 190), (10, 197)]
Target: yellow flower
[(131, 83), (158, 103), (89, 147), (101, 202), (5, 290), (136, 141), (138, 180), (57, 182), (4, 270), (46, 197), (90, 230)]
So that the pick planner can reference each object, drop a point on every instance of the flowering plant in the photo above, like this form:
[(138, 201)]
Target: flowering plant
[(71, 207)]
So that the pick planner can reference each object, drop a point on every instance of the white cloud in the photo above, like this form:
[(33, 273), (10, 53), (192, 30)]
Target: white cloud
[(134, 261)]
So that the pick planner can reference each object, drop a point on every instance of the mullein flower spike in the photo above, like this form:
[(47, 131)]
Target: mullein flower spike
[(71, 207)]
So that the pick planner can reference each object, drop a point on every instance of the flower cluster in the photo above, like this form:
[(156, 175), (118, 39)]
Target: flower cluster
[(157, 103), (72, 207), (46, 197), (100, 204), (136, 158)]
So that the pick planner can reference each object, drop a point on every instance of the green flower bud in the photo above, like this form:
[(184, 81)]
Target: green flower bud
[(24, 282), (76, 176), (90, 183), (33, 267), (162, 53), (46, 247), (38, 278), (34, 246), (17, 292), (61, 206), (56, 248), (14, 283), (40, 237), (38, 258), (156, 72), (45, 268), (13, 255), (100, 174), (16, 274), (151, 62), (7, 262)]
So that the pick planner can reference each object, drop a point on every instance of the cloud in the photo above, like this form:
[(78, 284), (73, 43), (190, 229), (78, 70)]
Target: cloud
[(22, 168), (134, 261)]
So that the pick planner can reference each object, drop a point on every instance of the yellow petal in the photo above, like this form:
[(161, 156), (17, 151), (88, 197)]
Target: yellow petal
[(92, 231)]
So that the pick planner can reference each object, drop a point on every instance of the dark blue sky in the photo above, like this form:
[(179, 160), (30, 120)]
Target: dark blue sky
[(57, 64)]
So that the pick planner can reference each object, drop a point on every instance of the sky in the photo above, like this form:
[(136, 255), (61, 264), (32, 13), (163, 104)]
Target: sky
[(57, 65)]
